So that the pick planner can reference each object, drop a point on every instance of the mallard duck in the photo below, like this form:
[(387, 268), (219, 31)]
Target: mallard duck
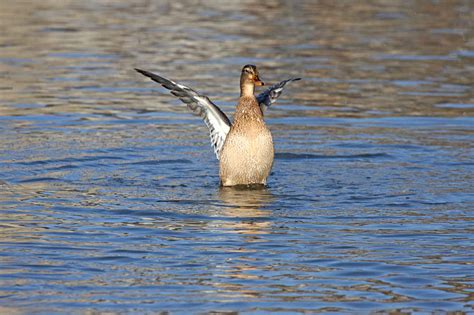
[(244, 148)]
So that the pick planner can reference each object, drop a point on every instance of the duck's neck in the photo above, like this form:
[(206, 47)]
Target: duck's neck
[(247, 87), (247, 110)]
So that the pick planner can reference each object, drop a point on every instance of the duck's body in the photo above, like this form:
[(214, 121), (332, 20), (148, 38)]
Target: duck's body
[(247, 155), (244, 148)]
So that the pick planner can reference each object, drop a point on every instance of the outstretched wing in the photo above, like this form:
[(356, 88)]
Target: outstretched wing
[(201, 105), (270, 95)]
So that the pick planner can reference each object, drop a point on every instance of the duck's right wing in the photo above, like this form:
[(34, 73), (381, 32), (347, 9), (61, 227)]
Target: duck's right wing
[(270, 95), (201, 105)]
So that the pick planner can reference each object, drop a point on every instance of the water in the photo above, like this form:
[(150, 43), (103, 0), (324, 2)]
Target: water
[(109, 190)]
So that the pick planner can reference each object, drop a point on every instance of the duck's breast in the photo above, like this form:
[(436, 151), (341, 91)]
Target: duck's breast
[(247, 156)]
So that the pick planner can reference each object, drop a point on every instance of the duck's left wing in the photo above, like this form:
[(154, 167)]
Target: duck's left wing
[(201, 105), (270, 95)]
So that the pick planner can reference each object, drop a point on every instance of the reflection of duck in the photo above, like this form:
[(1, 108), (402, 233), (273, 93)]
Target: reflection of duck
[(246, 198), (247, 206), (242, 220), (244, 148)]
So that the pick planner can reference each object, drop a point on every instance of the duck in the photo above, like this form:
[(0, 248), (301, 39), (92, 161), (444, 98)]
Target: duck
[(245, 147)]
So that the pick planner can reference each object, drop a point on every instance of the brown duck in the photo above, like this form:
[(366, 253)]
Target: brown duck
[(244, 148)]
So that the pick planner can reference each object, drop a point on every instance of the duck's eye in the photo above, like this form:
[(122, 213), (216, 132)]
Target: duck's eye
[(247, 70)]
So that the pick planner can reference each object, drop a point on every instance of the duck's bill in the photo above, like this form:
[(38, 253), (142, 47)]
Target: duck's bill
[(259, 83)]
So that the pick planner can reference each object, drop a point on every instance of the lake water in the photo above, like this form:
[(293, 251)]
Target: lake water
[(109, 195)]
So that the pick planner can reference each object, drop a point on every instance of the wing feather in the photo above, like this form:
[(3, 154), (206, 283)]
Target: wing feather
[(270, 95), (217, 122)]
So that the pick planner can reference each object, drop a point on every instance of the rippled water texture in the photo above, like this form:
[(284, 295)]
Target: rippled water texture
[(109, 194)]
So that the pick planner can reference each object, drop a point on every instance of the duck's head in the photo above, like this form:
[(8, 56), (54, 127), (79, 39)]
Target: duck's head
[(250, 75)]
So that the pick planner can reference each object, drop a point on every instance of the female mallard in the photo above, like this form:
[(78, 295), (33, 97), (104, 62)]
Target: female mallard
[(245, 148)]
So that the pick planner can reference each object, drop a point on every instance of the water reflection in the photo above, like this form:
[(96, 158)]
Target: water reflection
[(247, 214), (246, 197), (247, 206)]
